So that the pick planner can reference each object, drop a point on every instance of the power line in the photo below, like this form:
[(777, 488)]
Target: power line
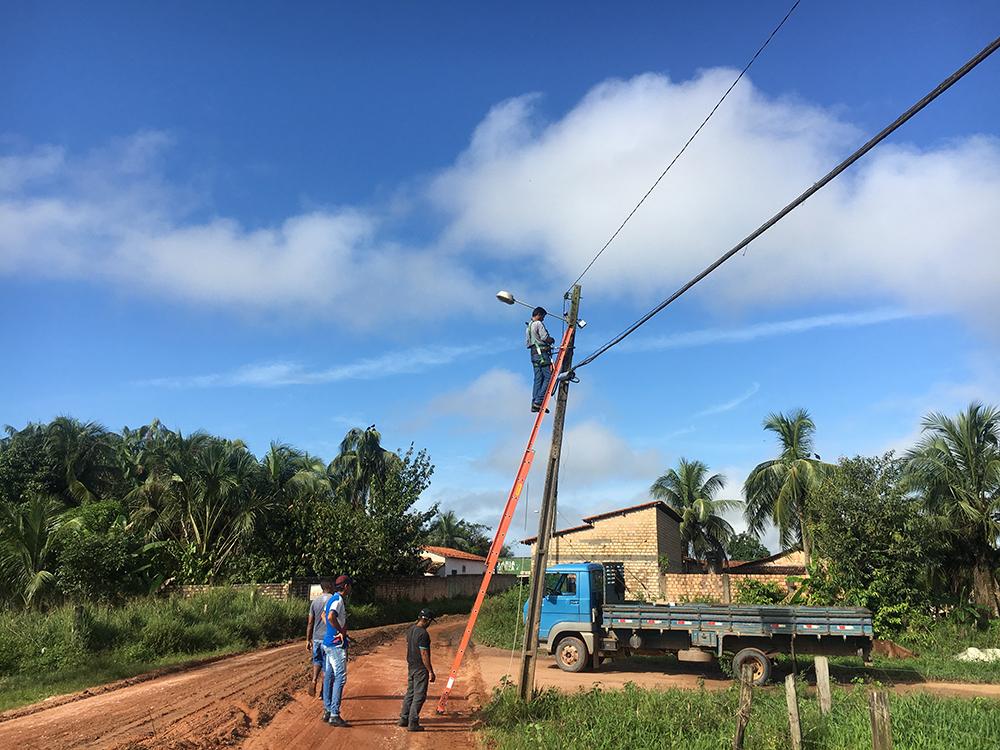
[(815, 188), (688, 143)]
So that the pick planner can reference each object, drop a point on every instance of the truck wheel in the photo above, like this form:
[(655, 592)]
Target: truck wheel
[(760, 665), (571, 654)]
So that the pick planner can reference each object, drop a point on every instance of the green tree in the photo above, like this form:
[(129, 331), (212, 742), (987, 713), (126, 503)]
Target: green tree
[(448, 530), (29, 542), (746, 546), (955, 467), (778, 491), (875, 540), (361, 464), (690, 491)]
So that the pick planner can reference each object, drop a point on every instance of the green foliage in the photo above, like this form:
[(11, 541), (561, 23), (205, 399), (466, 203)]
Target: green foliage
[(448, 530), (688, 720), (746, 546), (91, 515), (877, 544), (752, 591), (501, 616), (955, 468), (691, 492), (779, 491)]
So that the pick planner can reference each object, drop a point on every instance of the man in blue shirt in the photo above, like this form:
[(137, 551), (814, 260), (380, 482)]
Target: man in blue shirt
[(335, 643)]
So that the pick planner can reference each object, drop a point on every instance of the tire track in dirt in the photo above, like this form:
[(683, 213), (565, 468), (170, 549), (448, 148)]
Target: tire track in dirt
[(210, 705), (372, 699)]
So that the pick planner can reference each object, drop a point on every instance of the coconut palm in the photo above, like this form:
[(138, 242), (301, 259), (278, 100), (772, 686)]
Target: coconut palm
[(778, 490), (29, 536), (361, 462), (690, 491), (956, 468), (84, 454)]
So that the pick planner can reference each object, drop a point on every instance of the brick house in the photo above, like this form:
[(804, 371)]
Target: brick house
[(640, 536)]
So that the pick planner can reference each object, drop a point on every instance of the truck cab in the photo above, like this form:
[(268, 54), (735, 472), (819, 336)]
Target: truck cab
[(575, 594)]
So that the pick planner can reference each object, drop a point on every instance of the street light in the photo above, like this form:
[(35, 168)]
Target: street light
[(508, 299)]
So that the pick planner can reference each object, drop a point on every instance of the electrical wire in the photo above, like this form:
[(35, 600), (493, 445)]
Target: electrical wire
[(803, 197), (688, 142)]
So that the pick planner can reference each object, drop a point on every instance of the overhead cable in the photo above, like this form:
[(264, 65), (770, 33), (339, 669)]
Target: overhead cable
[(688, 143), (816, 187)]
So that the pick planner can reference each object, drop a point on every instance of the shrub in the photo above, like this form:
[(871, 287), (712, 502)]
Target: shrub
[(752, 591)]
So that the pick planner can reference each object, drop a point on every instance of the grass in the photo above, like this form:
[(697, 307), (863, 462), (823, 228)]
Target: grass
[(67, 649), (500, 615), (700, 720)]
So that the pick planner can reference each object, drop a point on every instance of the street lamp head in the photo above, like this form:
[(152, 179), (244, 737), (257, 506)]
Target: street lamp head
[(506, 297), (581, 323)]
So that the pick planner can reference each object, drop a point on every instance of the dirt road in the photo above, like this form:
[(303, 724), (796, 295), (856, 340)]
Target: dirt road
[(257, 700)]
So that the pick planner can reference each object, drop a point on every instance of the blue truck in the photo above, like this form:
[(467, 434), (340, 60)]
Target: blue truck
[(586, 620)]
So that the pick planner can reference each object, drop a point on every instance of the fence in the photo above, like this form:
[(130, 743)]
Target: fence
[(412, 588)]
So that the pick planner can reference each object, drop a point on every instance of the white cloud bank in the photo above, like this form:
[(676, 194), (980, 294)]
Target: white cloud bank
[(916, 227)]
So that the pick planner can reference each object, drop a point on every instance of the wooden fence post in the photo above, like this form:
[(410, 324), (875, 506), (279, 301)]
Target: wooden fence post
[(794, 727), (878, 704), (743, 710), (823, 685)]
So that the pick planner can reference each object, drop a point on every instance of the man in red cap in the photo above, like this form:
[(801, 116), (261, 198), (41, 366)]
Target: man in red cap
[(335, 643)]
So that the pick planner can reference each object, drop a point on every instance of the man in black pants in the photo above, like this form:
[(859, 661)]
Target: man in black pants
[(418, 671)]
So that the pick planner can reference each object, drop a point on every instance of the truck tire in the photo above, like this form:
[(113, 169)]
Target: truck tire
[(571, 654), (760, 665)]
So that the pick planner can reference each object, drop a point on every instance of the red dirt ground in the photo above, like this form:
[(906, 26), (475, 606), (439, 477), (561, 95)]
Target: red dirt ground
[(256, 700)]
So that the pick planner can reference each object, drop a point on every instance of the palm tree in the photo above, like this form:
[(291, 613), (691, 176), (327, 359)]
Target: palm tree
[(690, 491), (84, 454), (778, 490), (29, 536), (362, 462), (956, 468), (448, 530)]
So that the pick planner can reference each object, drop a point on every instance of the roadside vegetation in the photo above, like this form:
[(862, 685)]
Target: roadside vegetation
[(91, 515), (500, 616), (72, 647), (701, 720)]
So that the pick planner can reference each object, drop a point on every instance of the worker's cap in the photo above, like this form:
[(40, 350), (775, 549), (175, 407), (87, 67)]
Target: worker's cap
[(539, 311), (427, 614), (344, 580)]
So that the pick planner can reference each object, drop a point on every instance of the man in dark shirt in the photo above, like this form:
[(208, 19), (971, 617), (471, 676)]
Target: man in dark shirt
[(418, 671)]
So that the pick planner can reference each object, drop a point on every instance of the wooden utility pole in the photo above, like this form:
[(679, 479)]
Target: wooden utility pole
[(547, 515)]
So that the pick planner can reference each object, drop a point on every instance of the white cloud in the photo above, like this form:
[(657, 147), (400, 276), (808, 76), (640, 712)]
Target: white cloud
[(109, 217), (711, 336), (915, 225), (271, 374), (731, 404)]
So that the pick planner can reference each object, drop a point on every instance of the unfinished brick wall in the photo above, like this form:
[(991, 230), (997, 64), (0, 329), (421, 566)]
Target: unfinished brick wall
[(632, 538), (269, 590), (707, 587), (428, 588)]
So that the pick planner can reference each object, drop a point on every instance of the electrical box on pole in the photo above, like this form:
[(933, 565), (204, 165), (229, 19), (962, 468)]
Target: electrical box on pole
[(547, 512)]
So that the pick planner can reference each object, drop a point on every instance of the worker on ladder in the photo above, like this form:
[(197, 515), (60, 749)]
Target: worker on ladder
[(539, 343)]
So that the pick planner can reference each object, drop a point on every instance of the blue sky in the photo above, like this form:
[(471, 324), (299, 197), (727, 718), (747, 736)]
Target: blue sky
[(279, 223)]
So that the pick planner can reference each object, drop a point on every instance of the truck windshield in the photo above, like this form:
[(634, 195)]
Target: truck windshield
[(560, 583)]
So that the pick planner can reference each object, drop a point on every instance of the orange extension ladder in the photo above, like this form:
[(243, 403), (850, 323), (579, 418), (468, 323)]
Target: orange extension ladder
[(505, 519)]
